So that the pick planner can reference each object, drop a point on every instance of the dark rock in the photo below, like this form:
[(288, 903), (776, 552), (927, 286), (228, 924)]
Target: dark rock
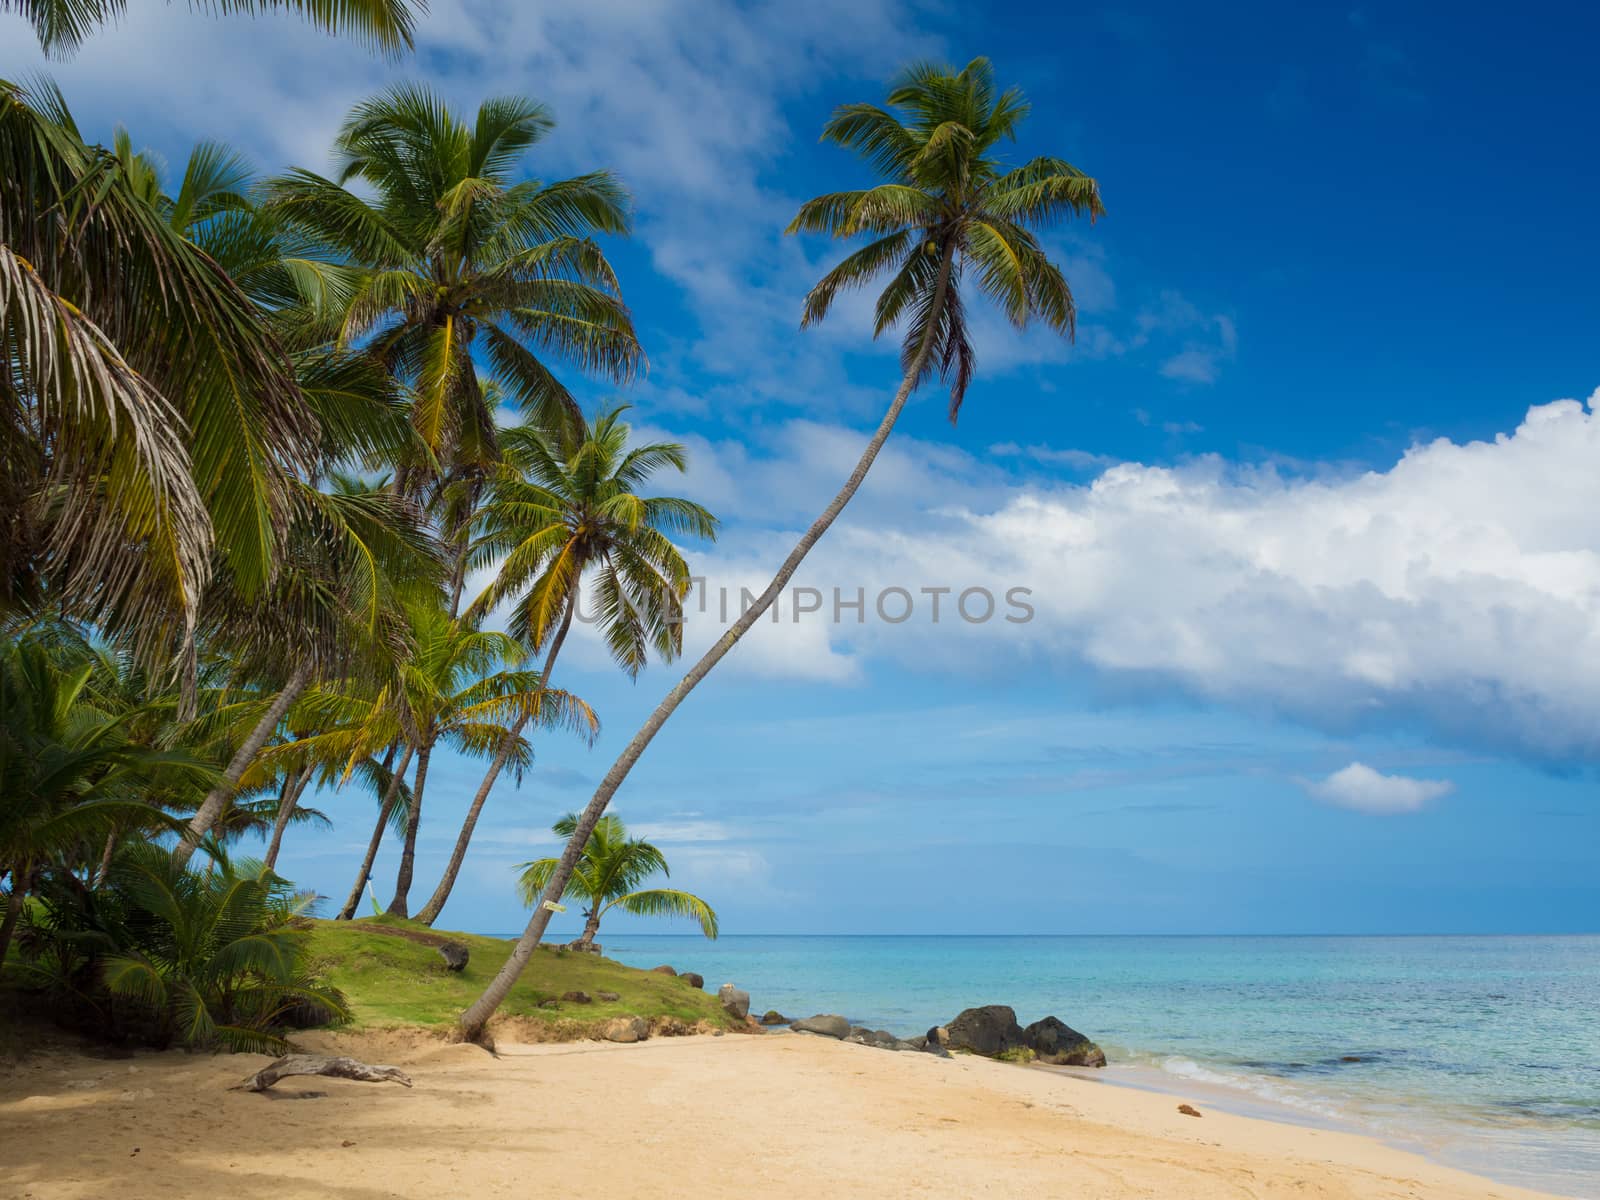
[(920, 1042), (584, 947), (936, 1050), (878, 1039), (1059, 1044), (1188, 1110), (608, 997), (663, 970), (455, 955), (735, 1001), (988, 1031), (773, 1017), (827, 1024), (578, 997), (693, 980), (549, 1004)]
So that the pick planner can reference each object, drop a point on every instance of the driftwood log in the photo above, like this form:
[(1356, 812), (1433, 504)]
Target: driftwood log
[(319, 1064)]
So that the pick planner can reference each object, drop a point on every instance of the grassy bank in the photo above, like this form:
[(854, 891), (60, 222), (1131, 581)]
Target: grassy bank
[(392, 973)]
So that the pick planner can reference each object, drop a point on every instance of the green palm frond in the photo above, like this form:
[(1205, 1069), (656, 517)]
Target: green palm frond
[(946, 199), (565, 507), (443, 265), (665, 902), (63, 25), (609, 875)]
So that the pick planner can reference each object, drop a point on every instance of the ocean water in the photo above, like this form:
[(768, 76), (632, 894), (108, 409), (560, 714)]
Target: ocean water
[(1481, 1052)]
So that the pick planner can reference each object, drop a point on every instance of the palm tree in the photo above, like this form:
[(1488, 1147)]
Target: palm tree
[(609, 876), (70, 774), (948, 207), (394, 808), (219, 957), (562, 508), (353, 556), (439, 264), (151, 416), (460, 685), (63, 25), (288, 809)]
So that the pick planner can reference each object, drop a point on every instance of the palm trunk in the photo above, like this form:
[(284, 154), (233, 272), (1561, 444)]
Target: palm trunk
[(475, 1018), (219, 796), (590, 927), (293, 788), (430, 912), (19, 879), (349, 910), (105, 859), (408, 855), (189, 680)]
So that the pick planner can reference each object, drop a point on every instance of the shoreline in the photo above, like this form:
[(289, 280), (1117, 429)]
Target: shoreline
[(1443, 1046), (1429, 1135), (718, 1116)]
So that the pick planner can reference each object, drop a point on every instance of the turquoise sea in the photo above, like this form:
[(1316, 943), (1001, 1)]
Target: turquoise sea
[(1481, 1052)]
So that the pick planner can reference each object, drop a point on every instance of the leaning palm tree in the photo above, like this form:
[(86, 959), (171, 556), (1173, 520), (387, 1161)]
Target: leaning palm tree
[(424, 251), (948, 209), (609, 876), (63, 25), (565, 508)]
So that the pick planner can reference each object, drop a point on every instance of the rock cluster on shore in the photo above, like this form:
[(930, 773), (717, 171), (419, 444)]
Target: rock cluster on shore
[(990, 1031)]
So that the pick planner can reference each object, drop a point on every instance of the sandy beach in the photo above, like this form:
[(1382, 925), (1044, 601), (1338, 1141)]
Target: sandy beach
[(782, 1116)]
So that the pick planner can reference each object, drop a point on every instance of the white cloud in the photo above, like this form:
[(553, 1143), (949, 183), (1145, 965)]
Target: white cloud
[(670, 832), (1363, 789), (1456, 591), (1192, 366)]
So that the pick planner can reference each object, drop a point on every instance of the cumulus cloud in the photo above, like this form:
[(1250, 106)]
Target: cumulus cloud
[(1456, 590), (1363, 789)]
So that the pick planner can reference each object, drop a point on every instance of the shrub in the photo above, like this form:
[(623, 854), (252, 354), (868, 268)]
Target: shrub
[(164, 954)]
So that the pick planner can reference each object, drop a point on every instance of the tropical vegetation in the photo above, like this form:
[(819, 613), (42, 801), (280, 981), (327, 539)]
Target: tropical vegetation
[(298, 489), (948, 214), (610, 875)]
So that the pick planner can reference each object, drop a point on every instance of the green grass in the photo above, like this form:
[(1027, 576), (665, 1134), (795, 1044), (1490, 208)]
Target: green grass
[(390, 980)]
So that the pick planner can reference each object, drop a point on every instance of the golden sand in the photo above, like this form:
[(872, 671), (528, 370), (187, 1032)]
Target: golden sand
[(781, 1116)]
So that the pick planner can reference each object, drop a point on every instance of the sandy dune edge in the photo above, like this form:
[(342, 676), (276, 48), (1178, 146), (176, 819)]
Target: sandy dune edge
[(785, 1116)]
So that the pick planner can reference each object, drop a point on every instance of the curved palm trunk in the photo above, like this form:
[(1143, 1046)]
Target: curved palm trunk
[(13, 910), (293, 788), (430, 912), (349, 909), (474, 1019), (590, 927), (408, 854), (219, 796)]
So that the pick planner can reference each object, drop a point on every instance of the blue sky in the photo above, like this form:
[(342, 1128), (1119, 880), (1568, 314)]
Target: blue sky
[(1315, 644)]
